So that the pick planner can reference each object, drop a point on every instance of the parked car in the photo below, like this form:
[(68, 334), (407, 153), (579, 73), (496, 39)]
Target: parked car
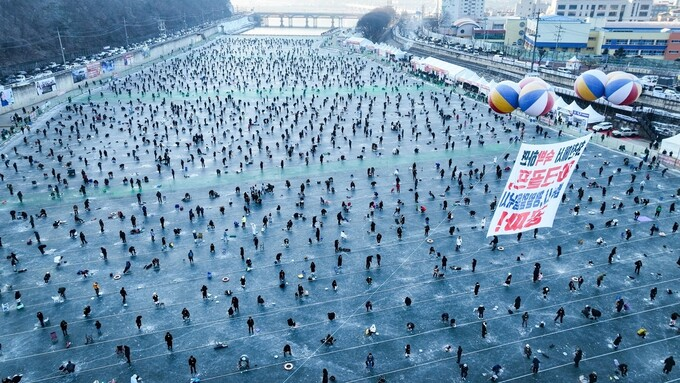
[(624, 132), (602, 127), (671, 94)]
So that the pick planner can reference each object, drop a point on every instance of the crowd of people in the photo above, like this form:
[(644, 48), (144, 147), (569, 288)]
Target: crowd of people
[(323, 184)]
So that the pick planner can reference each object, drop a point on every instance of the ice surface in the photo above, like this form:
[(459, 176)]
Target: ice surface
[(258, 78)]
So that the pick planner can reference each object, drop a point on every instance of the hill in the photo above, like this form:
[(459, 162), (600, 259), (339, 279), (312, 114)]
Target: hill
[(28, 28)]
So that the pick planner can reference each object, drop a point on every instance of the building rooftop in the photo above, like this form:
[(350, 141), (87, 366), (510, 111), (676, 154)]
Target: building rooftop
[(637, 25), (561, 19)]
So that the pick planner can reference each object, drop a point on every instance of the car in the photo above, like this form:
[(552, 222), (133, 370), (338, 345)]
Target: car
[(602, 127), (670, 94), (624, 132)]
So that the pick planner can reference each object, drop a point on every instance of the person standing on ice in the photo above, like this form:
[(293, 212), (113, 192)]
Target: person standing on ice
[(578, 355), (537, 271), (464, 371), (525, 319), (560, 315), (668, 365), (535, 363), (370, 361)]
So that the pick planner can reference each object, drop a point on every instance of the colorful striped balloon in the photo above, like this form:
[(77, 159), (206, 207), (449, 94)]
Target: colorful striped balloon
[(504, 97), (622, 88), (528, 80), (590, 85), (536, 99)]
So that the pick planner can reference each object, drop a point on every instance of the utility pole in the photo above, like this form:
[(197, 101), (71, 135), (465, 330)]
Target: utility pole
[(127, 40), (485, 20), (557, 39), (61, 47), (533, 51)]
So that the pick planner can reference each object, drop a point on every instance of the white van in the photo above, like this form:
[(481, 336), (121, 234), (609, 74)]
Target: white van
[(564, 70)]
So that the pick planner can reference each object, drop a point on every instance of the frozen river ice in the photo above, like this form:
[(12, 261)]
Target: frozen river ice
[(264, 111)]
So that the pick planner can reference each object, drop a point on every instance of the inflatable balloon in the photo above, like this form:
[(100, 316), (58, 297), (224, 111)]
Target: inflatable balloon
[(622, 88), (528, 80), (536, 98), (590, 85), (504, 97)]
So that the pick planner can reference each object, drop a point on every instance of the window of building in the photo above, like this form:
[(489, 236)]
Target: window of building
[(643, 14), (572, 14), (572, 6), (673, 52), (613, 14), (675, 41), (601, 7), (644, 7), (614, 6), (600, 14), (559, 13), (561, 6)]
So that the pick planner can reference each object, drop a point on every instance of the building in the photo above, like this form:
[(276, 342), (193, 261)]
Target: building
[(557, 34), (610, 10), (452, 10), (515, 27), (529, 8), (658, 40), (491, 29), (562, 36)]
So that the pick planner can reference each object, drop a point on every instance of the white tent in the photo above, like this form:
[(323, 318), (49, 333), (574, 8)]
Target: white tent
[(573, 107), (671, 144), (573, 64), (355, 40), (593, 116), (388, 51), (492, 84), (483, 86), (444, 68), (560, 104)]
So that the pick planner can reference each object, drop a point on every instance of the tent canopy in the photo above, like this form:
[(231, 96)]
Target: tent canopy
[(573, 107), (671, 144), (560, 104), (452, 71), (593, 116)]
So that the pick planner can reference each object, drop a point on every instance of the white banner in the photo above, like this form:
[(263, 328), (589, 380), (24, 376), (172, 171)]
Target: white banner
[(534, 190)]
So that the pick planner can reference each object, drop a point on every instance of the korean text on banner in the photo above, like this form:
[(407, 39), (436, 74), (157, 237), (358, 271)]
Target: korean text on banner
[(534, 190)]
